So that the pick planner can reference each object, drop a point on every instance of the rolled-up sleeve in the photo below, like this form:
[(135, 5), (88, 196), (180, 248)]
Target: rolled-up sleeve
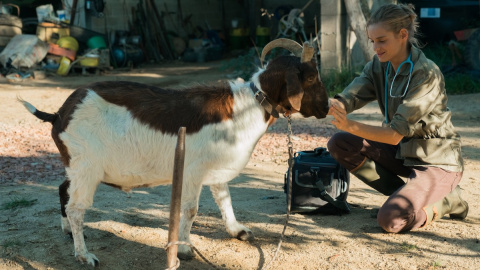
[(360, 91)]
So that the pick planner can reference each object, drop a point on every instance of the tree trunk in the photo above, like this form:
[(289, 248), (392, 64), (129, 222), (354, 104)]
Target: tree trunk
[(359, 24)]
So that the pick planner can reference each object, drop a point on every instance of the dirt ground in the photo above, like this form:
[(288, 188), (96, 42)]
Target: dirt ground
[(129, 231)]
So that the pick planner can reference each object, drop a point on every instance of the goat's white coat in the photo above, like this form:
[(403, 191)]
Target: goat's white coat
[(107, 144)]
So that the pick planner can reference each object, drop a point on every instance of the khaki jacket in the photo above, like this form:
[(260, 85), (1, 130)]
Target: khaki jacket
[(421, 115)]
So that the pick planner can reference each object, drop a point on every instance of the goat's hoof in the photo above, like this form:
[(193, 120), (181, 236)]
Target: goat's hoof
[(245, 235), (89, 258), (185, 253), (240, 232)]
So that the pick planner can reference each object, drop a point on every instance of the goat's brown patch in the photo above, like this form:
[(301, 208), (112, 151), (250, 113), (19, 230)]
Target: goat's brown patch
[(167, 109), (128, 188), (64, 197), (64, 115)]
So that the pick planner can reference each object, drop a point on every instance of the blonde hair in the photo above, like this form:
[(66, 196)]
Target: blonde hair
[(395, 18)]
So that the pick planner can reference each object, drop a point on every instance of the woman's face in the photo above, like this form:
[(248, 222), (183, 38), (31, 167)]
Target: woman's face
[(387, 45)]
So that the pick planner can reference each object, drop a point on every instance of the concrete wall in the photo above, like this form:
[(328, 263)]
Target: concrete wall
[(333, 35)]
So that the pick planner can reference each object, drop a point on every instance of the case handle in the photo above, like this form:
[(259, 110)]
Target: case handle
[(343, 205)]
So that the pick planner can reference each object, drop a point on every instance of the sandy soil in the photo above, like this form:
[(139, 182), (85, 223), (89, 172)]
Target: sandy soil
[(129, 231)]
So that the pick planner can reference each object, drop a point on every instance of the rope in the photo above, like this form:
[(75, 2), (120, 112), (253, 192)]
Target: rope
[(289, 181), (177, 265)]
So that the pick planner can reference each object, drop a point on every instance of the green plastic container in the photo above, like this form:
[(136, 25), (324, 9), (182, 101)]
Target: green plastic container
[(96, 42)]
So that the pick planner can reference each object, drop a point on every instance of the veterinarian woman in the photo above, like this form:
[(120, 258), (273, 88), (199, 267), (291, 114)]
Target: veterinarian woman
[(416, 141)]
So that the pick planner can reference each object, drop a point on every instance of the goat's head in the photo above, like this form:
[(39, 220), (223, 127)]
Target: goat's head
[(295, 80)]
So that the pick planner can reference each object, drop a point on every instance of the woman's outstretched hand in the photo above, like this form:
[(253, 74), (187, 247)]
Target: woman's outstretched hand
[(337, 110), (373, 133)]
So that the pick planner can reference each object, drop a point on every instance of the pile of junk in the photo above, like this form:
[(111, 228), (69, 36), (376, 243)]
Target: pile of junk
[(57, 47)]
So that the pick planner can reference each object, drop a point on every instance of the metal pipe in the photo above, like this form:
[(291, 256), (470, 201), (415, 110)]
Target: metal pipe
[(175, 201)]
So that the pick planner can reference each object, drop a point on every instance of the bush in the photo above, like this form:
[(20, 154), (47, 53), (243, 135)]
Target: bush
[(458, 83), (336, 81), (243, 66), (459, 79)]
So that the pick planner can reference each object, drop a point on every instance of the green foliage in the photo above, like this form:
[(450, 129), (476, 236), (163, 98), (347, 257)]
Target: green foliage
[(459, 83), (408, 247), (462, 80), (243, 66), (438, 53), (18, 203), (335, 81), (436, 265)]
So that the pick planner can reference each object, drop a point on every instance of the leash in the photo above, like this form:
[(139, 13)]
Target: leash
[(177, 265), (289, 183)]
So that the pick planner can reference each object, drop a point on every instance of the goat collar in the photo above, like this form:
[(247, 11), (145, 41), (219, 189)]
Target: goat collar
[(269, 105)]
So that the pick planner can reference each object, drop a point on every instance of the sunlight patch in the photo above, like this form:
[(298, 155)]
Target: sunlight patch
[(150, 75)]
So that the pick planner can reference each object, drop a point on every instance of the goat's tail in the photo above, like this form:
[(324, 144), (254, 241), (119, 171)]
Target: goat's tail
[(46, 117)]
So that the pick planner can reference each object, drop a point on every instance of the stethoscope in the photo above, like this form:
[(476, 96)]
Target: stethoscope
[(408, 61)]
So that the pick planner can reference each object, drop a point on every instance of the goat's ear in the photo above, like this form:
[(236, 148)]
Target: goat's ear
[(294, 88)]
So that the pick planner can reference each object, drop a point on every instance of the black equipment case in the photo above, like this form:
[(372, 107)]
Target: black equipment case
[(320, 184)]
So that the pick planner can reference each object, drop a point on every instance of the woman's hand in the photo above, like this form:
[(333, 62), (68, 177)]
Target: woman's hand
[(334, 101), (337, 110), (373, 133)]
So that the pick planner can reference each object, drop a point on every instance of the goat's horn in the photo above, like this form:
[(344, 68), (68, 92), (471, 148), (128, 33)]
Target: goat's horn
[(307, 52), (285, 43)]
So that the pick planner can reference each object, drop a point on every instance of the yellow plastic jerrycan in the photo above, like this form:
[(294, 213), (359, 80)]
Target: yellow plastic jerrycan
[(64, 66)]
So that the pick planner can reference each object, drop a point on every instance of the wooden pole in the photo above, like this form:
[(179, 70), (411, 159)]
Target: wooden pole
[(175, 200), (73, 12)]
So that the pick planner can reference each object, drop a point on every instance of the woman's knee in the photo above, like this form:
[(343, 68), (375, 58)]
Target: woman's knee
[(332, 144), (346, 149), (394, 219), (339, 143), (388, 222)]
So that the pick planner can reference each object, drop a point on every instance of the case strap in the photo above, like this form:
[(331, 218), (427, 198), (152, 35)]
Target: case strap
[(343, 205)]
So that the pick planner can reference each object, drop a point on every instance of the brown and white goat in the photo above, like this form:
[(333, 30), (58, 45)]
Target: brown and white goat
[(123, 134)]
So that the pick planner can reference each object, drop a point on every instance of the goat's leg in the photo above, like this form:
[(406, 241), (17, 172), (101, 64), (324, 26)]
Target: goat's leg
[(221, 194), (75, 217), (83, 184), (63, 193), (189, 207)]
